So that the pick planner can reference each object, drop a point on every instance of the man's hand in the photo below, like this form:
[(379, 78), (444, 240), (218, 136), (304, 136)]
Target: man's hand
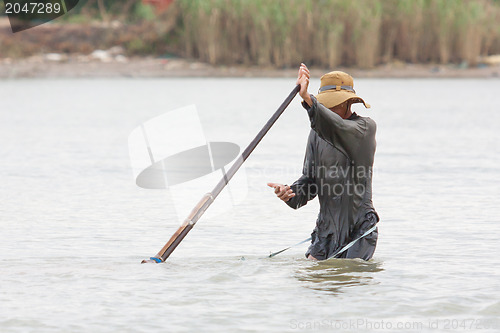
[(284, 192), (303, 80)]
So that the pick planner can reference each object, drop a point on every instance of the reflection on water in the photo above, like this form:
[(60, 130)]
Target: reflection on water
[(334, 275)]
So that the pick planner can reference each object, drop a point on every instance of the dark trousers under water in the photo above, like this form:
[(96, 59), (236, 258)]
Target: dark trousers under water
[(363, 248)]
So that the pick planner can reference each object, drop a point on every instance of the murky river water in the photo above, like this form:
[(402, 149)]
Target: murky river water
[(74, 226)]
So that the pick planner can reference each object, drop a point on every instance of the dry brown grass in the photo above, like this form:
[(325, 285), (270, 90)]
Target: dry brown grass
[(283, 33), (360, 33)]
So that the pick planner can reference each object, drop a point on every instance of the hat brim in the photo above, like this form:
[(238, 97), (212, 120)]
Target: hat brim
[(332, 98)]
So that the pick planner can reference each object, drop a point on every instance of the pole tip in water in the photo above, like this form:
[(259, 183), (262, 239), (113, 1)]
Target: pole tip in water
[(151, 260)]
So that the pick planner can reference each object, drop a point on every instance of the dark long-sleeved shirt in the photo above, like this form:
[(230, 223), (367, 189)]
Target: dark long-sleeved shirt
[(338, 169)]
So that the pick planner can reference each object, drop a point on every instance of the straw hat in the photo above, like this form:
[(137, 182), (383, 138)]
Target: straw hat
[(336, 88)]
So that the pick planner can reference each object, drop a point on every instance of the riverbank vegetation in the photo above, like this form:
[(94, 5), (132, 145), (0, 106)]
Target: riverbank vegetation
[(283, 33)]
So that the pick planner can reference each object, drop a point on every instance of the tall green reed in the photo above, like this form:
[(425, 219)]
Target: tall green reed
[(331, 33)]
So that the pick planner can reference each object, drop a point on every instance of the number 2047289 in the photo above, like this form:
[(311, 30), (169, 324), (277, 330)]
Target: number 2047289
[(32, 8)]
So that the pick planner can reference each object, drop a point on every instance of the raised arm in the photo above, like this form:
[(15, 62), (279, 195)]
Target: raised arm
[(341, 133)]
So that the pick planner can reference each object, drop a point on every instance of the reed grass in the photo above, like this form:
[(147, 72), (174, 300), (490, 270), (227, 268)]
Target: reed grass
[(329, 33), (283, 33)]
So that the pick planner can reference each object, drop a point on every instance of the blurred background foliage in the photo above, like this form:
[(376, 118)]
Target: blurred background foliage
[(275, 33)]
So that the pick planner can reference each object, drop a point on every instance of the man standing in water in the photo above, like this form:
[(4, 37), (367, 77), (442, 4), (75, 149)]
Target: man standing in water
[(337, 168)]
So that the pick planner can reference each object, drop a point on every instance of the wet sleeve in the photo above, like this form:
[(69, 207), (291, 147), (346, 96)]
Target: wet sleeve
[(305, 187), (332, 128)]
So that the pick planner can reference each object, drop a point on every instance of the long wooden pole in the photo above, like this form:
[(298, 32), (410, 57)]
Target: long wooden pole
[(209, 198)]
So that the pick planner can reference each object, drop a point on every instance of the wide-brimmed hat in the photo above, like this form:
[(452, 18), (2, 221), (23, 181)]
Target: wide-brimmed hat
[(336, 88)]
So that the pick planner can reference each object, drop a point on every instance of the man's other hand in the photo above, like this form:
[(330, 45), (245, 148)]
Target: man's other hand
[(284, 192)]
